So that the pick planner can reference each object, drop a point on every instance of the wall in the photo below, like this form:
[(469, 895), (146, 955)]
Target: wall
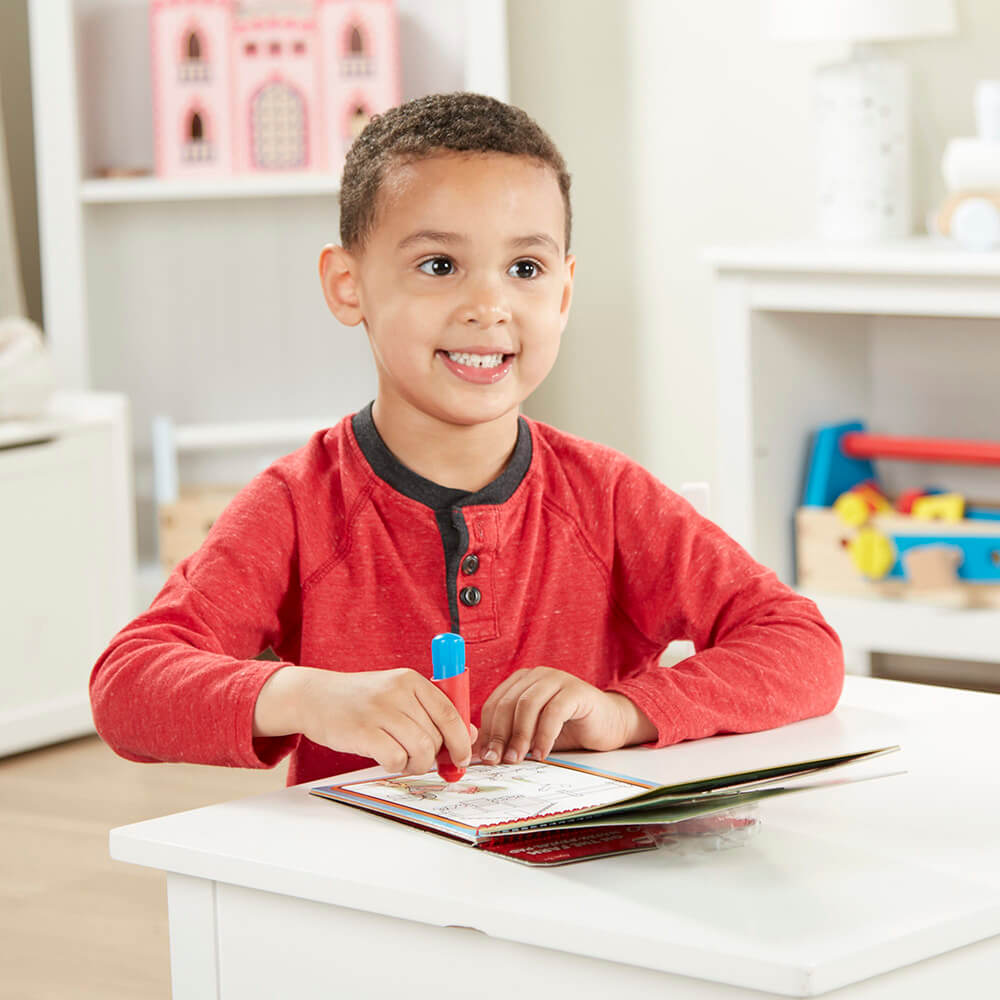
[(568, 69)]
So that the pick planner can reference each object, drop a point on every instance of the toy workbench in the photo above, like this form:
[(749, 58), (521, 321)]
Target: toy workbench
[(925, 545)]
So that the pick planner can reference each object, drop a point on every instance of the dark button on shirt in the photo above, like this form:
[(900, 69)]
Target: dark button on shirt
[(470, 596), (470, 564)]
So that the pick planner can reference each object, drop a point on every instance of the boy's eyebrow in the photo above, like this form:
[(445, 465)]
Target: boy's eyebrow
[(435, 236)]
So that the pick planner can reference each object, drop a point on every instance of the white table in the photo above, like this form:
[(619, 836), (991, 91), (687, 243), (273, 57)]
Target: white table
[(886, 888)]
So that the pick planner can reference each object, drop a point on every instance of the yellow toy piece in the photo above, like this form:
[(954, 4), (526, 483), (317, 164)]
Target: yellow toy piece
[(858, 504), (872, 552), (939, 507), (852, 509)]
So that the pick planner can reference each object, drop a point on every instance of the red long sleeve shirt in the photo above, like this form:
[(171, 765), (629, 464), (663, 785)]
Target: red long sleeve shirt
[(338, 556)]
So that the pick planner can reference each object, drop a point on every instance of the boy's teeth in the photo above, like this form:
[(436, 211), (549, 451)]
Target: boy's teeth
[(476, 360)]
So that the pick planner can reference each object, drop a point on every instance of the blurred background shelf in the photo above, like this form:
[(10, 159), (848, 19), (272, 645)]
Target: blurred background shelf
[(904, 336), (122, 190), (912, 629)]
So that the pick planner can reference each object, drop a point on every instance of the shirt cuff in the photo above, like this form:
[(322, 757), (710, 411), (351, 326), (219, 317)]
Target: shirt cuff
[(649, 699), (261, 751)]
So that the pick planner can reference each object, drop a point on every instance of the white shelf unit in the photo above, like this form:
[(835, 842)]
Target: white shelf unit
[(117, 190), (66, 535), (201, 301), (905, 336)]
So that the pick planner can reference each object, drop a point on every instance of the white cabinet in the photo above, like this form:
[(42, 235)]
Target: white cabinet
[(67, 544), (905, 336), (201, 301)]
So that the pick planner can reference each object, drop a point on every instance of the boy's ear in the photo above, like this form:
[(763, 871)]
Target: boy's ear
[(337, 275), (567, 295)]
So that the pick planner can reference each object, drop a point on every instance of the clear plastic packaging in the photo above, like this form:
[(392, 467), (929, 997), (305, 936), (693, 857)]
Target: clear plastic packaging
[(717, 832)]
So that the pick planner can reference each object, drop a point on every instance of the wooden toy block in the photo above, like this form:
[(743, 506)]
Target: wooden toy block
[(824, 561), (932, 575), (941, 507), (846, 542), (872, 553), (905, 500), (858, 504), (831, 472), (185, 523)]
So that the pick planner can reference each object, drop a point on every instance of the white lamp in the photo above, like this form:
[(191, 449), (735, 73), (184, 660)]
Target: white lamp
[(862, 108)]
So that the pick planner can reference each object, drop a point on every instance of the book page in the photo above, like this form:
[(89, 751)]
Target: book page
[(491, 794)]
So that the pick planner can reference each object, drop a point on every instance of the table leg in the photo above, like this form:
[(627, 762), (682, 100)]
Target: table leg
[(194, 939)]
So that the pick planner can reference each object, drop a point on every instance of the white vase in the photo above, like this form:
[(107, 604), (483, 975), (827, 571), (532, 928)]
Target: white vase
[(863, 149), (987, 102)]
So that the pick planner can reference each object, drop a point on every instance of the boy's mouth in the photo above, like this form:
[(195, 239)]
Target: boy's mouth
[(477, 366), (476, 360)]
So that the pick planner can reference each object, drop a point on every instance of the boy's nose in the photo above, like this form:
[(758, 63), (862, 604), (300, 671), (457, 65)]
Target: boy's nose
[(486, 314), (485, 303)]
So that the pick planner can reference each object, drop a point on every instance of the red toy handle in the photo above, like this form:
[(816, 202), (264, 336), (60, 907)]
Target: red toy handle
[(457, 689), (861, 444)]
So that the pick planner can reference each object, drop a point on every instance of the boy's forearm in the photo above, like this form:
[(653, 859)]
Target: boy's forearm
[(636, 726), (277, 711)]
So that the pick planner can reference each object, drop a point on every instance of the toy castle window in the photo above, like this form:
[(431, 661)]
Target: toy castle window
[(278, 122), (197, 148), (300, 48), (275, 48), (250, 49), (355, 60), (357, 119), (192, 65)]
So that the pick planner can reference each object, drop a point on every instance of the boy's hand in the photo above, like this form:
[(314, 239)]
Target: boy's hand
[(398, 717), (541, 709)]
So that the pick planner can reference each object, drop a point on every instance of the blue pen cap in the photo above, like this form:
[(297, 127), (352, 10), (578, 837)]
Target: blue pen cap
[(447, 655)]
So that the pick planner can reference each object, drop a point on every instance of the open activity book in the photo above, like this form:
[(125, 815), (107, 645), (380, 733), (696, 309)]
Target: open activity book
[(555, 811)]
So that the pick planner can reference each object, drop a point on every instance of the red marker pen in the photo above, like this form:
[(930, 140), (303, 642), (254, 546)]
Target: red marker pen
[(450, 675)]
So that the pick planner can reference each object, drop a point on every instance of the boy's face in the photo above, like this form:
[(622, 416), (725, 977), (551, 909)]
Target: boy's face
[(464, 285)]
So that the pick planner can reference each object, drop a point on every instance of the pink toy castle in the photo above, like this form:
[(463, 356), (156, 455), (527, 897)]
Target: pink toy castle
[(237, 87)]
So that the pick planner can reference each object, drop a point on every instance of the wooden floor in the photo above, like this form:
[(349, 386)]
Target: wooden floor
[(74, 923)]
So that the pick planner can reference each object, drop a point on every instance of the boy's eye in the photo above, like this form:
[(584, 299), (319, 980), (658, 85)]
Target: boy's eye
[(525, 269), (439, 266)]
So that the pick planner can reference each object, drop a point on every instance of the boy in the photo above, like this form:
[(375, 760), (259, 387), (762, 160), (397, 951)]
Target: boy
[(566, 567)]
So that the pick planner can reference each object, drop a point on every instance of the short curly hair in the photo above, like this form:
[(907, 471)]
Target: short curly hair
[(459, 122)]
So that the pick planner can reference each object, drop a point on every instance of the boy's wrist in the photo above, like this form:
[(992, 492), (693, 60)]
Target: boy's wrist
[(277, 710), (636, 726)]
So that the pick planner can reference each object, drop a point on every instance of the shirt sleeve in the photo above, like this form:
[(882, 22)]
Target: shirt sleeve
[(764, 654), (180, 682)]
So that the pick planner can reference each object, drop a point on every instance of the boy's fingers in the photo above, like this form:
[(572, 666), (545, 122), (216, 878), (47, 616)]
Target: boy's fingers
[(489, 706), (387, 751), (557, 712), (446, 719), (529, 707), (497, 728), (420, 746), (487, 713)]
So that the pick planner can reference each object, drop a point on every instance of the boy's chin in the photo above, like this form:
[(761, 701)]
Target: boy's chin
[(463, 418)]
